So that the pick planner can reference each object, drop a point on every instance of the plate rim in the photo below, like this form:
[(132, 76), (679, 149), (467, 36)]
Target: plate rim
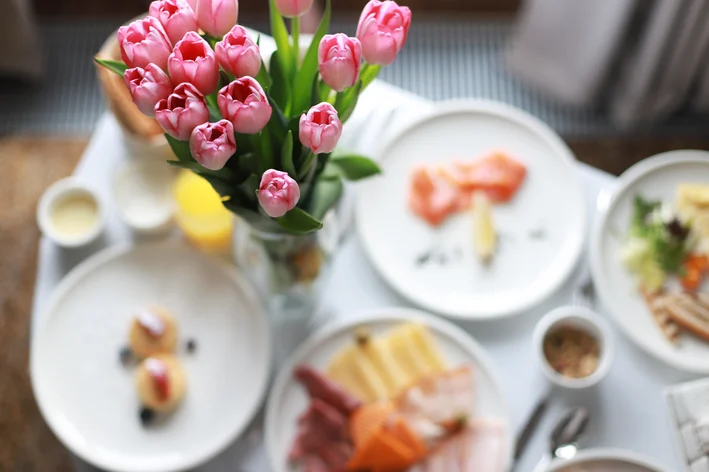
[(626, 180), (85, 268), (538, 128), (606, 453), (483, 361)]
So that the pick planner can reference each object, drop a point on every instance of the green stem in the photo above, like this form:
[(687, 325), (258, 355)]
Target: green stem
[(295, 32)]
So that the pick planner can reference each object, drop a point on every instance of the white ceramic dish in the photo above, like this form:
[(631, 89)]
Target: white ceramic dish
[(288, 398), (580, 318), (526, 269), (654, 178), (88, 398), (143, 192), (57, 192), (606, 460)]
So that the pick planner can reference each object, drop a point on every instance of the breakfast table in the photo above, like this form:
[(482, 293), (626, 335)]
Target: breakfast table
[(627, 409)]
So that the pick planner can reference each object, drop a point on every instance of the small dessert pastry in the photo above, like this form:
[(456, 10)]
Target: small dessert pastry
[(152, 331), (161, 383)]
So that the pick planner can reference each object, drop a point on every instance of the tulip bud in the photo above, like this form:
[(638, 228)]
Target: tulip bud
[(193, 61), (320, 128), (147, 87), (217, 17), (293, 8), (142, 42), (278, 193), (212, 144), (175, 16), (244, 103), (182, 111), (339, 58), (238, 54), (382, 30)]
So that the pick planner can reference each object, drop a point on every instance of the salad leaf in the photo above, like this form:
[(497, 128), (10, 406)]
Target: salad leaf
[(641, 212)]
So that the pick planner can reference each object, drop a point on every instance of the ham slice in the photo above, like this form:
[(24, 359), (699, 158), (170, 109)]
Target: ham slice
[(322, 443), (436, 403), (320, 387), (480, 447)]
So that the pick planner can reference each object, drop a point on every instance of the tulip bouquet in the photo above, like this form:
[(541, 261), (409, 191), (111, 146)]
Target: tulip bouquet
[(262, 135)]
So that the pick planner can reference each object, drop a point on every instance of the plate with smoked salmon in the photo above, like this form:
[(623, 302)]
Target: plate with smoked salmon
[(478, 213), (392, 390)]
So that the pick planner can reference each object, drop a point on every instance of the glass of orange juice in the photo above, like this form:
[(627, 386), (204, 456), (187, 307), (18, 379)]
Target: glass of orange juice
[(201, 215)]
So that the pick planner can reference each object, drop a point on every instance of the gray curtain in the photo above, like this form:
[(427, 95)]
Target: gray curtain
[(641, 60), (21, 54)]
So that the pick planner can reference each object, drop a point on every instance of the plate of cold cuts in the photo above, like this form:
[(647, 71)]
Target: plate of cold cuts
[(391, 389)]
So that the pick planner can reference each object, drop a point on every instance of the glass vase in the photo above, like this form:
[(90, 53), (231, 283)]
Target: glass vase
[(288, 271)]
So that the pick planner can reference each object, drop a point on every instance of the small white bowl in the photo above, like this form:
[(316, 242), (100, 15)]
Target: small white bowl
[(580, 318), (142, 193), (55, 194)]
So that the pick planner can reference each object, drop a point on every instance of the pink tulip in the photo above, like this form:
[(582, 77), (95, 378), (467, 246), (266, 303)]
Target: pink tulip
[(238, 54), (182, 111), (193, 61), (244, 103), (193, 5), (293, 8), (320, 128), (212, 144), (144, 41), (338, 60), (175, 16), (382, 29), (147, 87), (278, 193), (217, 17)]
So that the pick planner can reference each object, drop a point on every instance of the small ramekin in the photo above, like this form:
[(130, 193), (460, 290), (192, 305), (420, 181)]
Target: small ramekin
[(580, 318), (59, 190)]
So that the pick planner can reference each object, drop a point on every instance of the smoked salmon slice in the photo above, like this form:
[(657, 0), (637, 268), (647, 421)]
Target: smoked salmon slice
[(497, 175), (437, 192)]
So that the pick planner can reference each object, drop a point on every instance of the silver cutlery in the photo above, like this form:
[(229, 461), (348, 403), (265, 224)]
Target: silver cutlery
[(563, 440)]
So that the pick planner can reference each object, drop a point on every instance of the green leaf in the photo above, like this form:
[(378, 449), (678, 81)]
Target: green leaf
[(225, 174), (180, 148), (368, 73), (250, 162), (214, 113), (116, 66), (278, 122), (354, 167), (325, 194), (299, 221), (309, 68), (287, 155), (280, 35), (263, 78), (267, 157), (280, 86), (347, 101)]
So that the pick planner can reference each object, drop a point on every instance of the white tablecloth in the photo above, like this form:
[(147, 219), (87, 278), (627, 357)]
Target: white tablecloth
[(627, 409)]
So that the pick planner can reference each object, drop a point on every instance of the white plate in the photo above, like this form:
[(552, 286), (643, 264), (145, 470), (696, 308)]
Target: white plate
[(606, 460), (653, 178), (525, 270), (288, 398), (89, 399)]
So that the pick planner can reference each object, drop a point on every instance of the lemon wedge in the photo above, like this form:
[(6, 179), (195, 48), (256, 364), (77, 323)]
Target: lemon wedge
[(484, 236)]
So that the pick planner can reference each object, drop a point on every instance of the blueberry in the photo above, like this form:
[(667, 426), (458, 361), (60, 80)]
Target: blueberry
[(191, 345), (146, 415), (126, 355)]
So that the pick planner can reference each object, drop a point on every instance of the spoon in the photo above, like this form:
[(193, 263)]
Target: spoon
[(563, 440)]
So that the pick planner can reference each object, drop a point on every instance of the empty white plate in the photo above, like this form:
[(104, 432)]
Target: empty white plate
[(89, 398), (605, 460), (542, 230), (288, 398), (655, 178)]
